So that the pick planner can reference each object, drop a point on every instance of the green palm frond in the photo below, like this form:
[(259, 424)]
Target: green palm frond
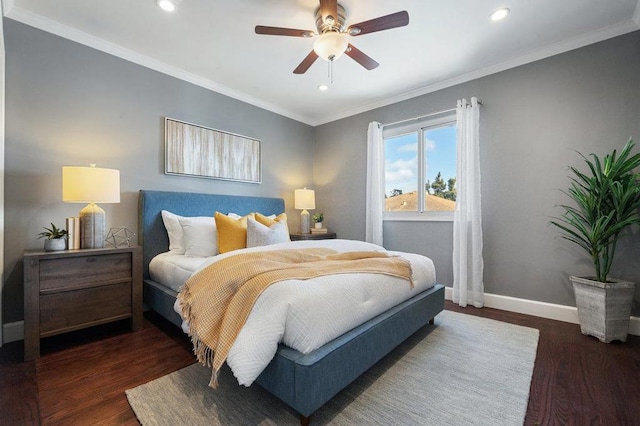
[(607, 201)]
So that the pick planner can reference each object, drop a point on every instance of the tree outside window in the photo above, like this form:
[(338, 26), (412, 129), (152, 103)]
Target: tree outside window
[(430, 164)]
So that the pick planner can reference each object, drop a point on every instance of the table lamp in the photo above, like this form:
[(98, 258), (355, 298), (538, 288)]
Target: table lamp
[(304, 199), (91, 185)]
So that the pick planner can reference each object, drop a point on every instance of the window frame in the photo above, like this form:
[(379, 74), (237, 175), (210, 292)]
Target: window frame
[(419, 127)]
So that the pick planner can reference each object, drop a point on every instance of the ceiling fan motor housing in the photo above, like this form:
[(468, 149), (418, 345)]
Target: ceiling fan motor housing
[(337, 24)]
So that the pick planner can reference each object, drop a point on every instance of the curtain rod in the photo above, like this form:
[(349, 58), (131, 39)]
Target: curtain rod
[(420, 117)]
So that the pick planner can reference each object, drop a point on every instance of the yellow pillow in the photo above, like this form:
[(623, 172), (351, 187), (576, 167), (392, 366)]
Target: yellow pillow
[(266, 221), (232, 233)]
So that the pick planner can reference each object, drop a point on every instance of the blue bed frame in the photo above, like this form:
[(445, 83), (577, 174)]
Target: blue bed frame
[(304, 382)]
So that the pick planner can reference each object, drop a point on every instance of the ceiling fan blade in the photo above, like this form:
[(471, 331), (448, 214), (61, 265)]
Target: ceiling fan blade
[(360, 57), (260, 29), (306, 63), (329, 7), (398, 19)]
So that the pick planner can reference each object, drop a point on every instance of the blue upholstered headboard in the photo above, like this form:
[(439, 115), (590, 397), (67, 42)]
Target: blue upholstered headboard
[(152, 233)]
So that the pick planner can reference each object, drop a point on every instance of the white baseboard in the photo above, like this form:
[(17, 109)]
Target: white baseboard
[(12, 332), (538, 309)]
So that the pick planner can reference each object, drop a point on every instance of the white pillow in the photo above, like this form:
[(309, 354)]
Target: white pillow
[(200, 236), (262, 235), (174, 231)]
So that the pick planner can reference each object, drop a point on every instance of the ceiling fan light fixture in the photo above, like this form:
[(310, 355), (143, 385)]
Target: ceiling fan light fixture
[(330, 46), (499, 14), (166, 5)]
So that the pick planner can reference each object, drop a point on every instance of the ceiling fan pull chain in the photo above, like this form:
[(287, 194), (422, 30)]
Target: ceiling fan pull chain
[(331, 70)]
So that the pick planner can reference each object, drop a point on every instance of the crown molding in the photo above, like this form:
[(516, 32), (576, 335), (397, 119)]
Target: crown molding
[(7, 5), (536, 55), (54, 27), (37, 21)]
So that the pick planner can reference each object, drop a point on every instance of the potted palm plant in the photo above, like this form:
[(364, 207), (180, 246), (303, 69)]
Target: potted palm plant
[(55, 238), (607, 202)]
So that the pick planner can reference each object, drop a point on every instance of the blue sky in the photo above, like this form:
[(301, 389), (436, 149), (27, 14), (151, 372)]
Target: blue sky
[(401, 162)]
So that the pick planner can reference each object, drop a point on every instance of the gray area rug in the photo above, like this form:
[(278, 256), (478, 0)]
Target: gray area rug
[(464, 370)]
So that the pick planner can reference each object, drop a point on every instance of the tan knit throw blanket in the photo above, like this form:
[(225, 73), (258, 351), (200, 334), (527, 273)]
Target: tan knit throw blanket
[(217, 300)]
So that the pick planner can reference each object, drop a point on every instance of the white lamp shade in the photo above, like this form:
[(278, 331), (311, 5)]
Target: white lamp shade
[(331, 45), (304, 199), (90, 185)]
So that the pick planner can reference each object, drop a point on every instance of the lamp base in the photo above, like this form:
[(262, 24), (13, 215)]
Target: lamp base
[(305, 221), (92, 226)]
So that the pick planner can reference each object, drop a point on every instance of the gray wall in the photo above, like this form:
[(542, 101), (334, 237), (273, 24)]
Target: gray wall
[(533, 119), (67, 104)]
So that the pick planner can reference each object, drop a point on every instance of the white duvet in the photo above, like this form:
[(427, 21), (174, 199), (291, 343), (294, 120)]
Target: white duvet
[(306, 314)]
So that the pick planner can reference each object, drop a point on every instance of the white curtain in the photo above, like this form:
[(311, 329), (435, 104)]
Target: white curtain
[(468, 287), (375, 184)]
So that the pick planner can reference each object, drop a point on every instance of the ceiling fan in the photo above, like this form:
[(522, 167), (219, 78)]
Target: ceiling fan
[(332, 35)]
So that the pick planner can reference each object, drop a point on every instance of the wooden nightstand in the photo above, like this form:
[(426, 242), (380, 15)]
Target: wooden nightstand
[(296, 236), (73, 289)]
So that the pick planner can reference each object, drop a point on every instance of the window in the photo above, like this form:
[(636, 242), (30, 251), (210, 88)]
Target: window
[(421, 155)]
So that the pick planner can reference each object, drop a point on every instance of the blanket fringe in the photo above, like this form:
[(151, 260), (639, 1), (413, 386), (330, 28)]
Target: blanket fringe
[(214, 379), (204, 354)]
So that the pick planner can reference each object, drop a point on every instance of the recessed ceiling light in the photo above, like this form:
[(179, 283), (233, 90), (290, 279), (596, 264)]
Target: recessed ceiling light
[(323, 87), (499, 14), (167, 5)]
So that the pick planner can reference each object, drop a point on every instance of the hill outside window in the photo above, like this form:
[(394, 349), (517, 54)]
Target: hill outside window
[(420, 155)]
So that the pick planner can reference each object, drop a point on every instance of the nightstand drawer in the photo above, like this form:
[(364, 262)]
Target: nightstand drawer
[(65, 311), (74, 272)]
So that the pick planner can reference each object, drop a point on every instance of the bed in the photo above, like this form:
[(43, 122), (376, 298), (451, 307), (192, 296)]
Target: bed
[(303, 381)]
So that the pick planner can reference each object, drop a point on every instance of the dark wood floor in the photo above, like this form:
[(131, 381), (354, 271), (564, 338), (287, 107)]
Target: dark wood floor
[(81, 377)]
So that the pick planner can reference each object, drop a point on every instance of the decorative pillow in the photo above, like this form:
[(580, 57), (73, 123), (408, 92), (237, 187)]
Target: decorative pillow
[(232, 233), (199, 236), (234, 215), (270, 220), (262, 235), (174, 231)]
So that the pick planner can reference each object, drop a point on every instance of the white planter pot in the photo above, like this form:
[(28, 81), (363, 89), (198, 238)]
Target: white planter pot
[(318, 225), (604, 309), (55, 244)]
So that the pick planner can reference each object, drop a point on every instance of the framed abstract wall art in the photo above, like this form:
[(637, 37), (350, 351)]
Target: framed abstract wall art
[(199, 151)]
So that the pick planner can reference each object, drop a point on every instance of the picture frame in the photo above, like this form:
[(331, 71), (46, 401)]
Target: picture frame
[(199, 151)]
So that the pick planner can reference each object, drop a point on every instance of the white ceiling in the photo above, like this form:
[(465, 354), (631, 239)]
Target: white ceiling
[(213, 44)]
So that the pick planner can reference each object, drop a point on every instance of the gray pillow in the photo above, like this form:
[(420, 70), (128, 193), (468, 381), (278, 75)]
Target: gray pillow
[(262, 235)]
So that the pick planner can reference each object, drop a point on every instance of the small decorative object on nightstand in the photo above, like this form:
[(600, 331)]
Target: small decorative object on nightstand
[(69, 290), (119, 237), (296, 236), (55, 238), (318, 218)]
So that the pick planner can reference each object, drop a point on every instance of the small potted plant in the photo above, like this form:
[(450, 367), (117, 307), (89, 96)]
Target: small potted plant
[(318, 218), (55, 238), (606, 202)]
